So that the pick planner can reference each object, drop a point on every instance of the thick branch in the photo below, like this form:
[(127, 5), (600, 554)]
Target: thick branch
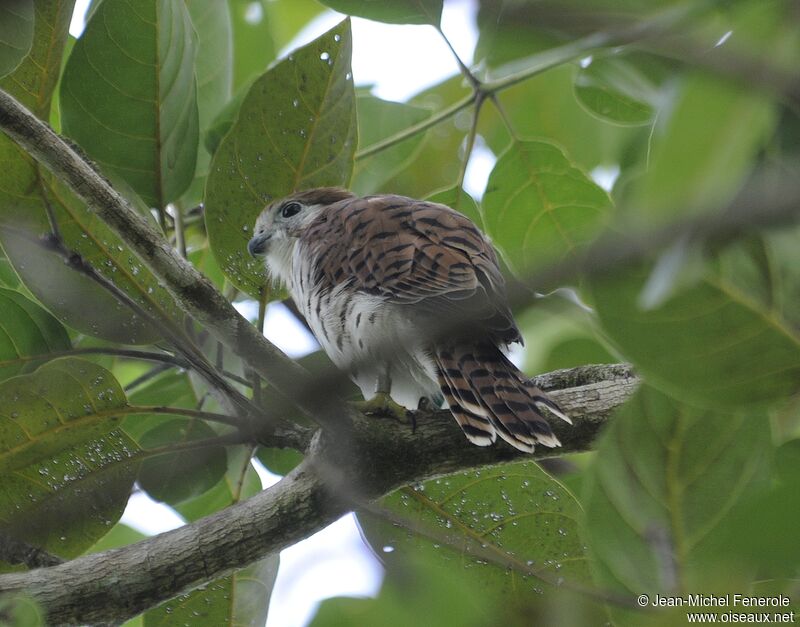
[(387, 455)]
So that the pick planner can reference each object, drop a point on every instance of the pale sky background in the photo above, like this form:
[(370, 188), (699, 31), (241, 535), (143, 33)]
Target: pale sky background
[(335, 561)]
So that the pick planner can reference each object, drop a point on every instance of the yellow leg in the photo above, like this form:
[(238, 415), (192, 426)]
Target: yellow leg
[(382, 405)]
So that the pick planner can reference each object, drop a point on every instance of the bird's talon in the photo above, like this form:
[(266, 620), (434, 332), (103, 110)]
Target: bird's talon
[(382, 405)]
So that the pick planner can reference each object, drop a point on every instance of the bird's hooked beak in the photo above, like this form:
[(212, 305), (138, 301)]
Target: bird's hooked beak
[(257, 247)]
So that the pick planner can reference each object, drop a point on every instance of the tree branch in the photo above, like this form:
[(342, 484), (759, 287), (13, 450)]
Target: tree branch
[(387, 455)]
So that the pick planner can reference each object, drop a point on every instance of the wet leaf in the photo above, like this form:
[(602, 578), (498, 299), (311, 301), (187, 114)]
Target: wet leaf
[(516, 512), (66, 468), (239, 599), (295, 130)]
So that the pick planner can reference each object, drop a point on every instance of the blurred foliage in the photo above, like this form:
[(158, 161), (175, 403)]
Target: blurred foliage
[(600, 119)]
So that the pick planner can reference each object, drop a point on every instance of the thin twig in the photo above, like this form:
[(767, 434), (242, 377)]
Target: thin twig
[(415, 129), (229, 439), (470, 140)]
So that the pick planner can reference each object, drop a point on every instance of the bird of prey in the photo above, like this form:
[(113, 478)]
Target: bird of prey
[(408, 297)]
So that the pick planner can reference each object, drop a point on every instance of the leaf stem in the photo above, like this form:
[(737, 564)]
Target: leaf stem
[(127, 353), (424, 125)]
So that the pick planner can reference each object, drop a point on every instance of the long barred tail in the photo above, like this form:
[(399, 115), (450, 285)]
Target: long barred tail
[(488, 396)]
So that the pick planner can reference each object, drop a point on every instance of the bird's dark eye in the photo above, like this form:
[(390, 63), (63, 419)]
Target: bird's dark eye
[(290, 209)]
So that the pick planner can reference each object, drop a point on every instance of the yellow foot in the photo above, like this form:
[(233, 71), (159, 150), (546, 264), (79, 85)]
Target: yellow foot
[(382, 405)]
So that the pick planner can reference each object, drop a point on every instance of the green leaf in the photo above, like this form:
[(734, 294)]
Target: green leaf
[(417, 591), (240, 482), (16, 33), (394, 12), (239, 599), (715, 342), (8, 278), (434, 166), (26, 330), (515, 511), (173, 477), (24, 190), (663, 481), (66, 469), (538, 207), (129, 96), (253, 40), (21, 611), (33, 80), (456, 198), (120, 535), (280, 461), (545, 107), (296, 129), (66, 402), (171, 388), (703, 149), (377, 120), (615, 91), (74, 298), (214, 69)]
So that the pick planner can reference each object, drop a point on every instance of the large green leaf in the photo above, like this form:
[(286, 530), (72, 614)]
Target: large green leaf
[(394, 12), (239, 599), (66, 470), (717, 342), (703, 149), (26, 330), (33, 81), (377, 120), (129, 96), (296, 129), (517, 512), (663, 481), (214, 69), (24, 190), (539, 207), (16, 33)]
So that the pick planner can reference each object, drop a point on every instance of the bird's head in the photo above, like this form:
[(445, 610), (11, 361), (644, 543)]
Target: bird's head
[(283, 221)]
